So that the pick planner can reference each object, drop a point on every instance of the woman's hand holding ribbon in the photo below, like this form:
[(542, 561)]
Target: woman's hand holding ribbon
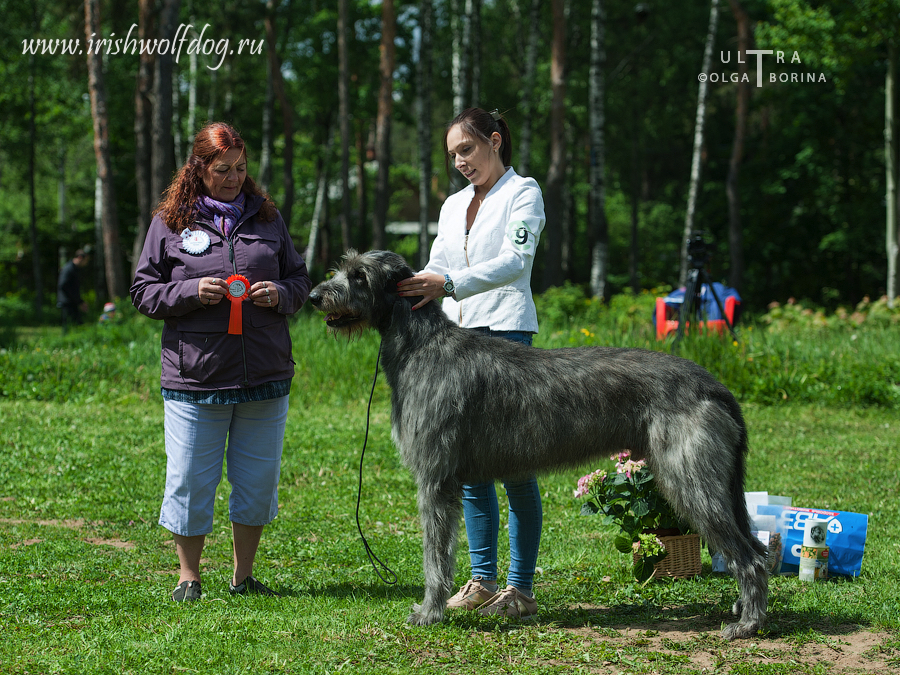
[(264, 294), (211, 290)]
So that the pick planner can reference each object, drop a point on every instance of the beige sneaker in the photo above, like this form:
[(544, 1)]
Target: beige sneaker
[(471, 596), (510, 603)]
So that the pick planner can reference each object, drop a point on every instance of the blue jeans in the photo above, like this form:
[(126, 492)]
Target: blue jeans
[(481, 512)]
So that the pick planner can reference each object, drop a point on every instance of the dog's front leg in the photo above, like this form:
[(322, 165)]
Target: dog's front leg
[(439, 512)]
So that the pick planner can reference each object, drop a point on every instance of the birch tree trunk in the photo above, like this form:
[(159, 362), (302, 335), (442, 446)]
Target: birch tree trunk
[(735, 231), (556, 173), (364, 141), (143, 116), (62, 207), (177, 146), (383, 121), (596, 125), (524, 159), (99, 256), (460, 14), (699, 123), (287, 124), (309, 254), (32, 204), (211, 103), (112, 255), (265, 154), (423, 116), (310, 251), (634, 256), (192, 102), (474, 9), (892, 241), (344, 121), (162, 150)]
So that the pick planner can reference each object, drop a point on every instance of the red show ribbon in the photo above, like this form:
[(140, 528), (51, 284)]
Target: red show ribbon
[(238, 291)]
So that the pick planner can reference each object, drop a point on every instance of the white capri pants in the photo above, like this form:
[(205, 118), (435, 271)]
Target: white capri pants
[(196, 436)]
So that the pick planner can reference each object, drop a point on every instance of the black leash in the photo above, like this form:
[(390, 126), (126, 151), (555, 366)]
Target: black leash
[(372, 557)]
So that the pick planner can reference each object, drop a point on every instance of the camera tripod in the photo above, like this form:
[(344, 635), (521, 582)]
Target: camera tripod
[(692, 306)]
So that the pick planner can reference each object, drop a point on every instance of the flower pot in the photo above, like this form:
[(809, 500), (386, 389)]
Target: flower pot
[(683, 560)]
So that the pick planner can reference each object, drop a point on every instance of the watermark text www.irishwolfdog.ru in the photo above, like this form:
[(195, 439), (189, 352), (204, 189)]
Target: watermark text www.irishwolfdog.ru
[(780, 62), (186, 40)]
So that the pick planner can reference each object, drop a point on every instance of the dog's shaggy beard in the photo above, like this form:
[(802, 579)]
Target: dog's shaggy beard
[(351, 331)]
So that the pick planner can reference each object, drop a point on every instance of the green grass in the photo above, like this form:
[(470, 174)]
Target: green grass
[(85, 571)]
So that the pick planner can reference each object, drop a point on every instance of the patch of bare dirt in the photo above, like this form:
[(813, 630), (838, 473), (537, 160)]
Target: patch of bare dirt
[(75, 524), (115, 543), (844, 650)]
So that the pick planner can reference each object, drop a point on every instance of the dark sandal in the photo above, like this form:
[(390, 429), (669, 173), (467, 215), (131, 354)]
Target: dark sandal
[(251, 585), (186, 591)]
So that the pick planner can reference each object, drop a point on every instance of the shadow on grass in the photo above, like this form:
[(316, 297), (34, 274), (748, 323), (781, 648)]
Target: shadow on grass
[(374, 590), (691, 617), (703, 618)]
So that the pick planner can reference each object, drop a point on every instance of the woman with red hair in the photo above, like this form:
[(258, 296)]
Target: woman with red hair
[(219, 269)]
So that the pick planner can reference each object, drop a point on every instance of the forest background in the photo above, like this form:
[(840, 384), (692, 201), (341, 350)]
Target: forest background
[(343, 104)]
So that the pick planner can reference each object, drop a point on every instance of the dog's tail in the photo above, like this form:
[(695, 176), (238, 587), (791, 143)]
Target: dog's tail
[(739, 502)]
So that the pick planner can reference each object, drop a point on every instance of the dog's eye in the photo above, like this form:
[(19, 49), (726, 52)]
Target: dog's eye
[(358, 275)]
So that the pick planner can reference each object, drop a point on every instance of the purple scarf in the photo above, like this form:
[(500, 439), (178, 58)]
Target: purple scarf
[(224, 215)]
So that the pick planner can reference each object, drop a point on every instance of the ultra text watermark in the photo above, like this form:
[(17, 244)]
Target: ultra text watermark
[(761, 75)]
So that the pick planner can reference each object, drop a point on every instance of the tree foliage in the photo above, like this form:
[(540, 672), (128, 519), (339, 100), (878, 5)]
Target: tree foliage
[(811, 179)]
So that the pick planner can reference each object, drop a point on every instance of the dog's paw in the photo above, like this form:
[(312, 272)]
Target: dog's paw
[(738, 631), (421, 617)]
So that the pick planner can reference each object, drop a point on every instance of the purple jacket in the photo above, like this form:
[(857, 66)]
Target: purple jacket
[(198, 353)]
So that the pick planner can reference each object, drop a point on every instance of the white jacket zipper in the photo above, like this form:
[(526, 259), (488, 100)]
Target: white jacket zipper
[(466, 252)]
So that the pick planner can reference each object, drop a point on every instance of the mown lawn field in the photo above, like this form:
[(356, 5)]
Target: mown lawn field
[(85, 571)]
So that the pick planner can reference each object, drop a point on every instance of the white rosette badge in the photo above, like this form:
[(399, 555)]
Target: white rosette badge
[(194, 242)]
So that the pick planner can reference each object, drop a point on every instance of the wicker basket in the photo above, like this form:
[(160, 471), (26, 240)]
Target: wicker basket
[(683, 560)]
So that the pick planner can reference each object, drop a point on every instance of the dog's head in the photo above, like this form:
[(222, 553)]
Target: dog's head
[(362, 291)]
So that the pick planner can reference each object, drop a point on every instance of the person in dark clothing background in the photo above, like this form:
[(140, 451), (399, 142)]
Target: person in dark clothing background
[(68, 290)]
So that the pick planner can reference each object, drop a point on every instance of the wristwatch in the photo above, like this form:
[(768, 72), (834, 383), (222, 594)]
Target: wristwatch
[(449, 288)]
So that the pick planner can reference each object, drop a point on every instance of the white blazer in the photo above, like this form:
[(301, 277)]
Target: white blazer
[(491, 266)]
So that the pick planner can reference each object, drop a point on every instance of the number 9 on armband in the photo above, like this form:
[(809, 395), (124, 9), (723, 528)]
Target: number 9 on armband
[(520, 236)]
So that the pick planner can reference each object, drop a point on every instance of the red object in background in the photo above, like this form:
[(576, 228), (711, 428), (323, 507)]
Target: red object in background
[(664, 325)]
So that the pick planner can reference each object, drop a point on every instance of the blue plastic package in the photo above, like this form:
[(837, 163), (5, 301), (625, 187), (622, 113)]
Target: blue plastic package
[(846, 538)]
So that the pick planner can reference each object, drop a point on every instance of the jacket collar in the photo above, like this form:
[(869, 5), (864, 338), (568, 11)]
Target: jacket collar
[(496, 187)]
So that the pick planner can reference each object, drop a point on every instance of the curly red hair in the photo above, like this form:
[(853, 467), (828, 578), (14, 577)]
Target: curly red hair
[(178, 204)]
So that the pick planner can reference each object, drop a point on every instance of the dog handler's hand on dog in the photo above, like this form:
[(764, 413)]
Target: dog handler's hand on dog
[(428, 286), (264, 294), (211, 290)]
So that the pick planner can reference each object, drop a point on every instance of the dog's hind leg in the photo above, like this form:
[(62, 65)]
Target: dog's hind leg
[(745, 556), (748, 566), (701, 474), (439, 512)]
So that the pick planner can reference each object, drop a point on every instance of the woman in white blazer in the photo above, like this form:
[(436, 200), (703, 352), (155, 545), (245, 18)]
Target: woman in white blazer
[(480, 264)]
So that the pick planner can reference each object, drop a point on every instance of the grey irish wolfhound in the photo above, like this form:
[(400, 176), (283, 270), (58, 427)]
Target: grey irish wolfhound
[(468, 408)]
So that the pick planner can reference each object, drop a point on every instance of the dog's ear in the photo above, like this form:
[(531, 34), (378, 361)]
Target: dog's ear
[(390, 292), (401, 310)]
